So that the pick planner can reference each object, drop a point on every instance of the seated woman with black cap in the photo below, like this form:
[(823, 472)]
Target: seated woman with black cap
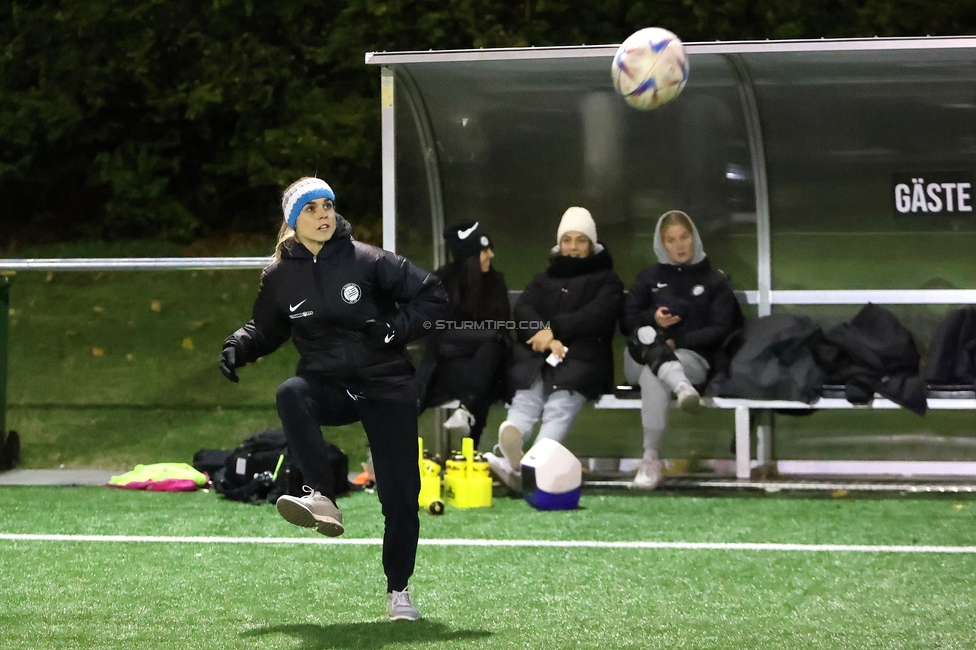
[(465, 356)]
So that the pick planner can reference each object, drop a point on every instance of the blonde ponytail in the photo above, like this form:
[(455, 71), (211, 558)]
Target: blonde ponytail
[(285, 234)]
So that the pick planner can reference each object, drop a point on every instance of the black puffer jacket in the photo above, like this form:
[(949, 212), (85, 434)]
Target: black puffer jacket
[(322, 303), (580, 298), (952, 353), (699, 294), (454, 340), (492, 306), (774, 362), (873, 353)]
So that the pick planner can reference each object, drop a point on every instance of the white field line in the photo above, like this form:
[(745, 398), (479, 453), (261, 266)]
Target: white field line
[(528, 543)]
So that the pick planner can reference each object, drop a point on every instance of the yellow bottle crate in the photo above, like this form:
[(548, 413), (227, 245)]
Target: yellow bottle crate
[(466, 482), (430, 483)]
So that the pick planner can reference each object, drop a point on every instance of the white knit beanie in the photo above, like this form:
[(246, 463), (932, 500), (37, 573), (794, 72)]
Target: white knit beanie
[(300, 193), (578, 219)]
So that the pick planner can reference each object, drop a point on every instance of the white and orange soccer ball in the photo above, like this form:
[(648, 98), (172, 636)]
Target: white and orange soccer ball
[(650, 68)]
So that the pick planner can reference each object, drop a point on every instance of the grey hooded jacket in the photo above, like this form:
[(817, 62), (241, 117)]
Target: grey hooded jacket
[(701, 295)]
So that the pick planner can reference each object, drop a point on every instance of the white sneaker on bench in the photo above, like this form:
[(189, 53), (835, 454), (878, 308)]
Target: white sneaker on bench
[(461, 421), (503, 470), (688, 398)]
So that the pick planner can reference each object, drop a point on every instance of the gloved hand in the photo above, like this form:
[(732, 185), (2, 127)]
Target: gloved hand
[(637, 350), (231, 358), (646, 347), (380, 334)]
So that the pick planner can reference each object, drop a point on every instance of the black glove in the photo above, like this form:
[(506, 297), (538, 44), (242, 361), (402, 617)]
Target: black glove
[(231, 358), (638, 350), (380, 334), (651, 354)]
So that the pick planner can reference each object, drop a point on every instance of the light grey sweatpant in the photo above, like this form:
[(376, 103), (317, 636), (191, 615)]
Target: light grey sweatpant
[(558, 411), (656, 392)]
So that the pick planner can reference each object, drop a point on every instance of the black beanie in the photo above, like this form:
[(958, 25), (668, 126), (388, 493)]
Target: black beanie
[(466, 239)]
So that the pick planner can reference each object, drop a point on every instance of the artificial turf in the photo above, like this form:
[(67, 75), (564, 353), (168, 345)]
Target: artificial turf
[(102, 594)]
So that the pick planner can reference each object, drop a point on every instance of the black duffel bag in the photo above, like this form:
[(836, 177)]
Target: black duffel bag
[(260, 470)]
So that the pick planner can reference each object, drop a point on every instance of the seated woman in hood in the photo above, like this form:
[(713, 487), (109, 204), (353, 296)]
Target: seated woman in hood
[(566, 319), (676, 316), (468, 358)]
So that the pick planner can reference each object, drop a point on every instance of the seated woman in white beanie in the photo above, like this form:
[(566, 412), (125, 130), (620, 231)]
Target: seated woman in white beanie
[(567, 316)]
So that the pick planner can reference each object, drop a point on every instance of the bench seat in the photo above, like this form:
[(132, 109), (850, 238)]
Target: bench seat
[(939, 398)]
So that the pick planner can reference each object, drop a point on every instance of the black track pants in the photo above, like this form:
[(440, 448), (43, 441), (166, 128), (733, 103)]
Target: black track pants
[(472, 380), (305, 403)]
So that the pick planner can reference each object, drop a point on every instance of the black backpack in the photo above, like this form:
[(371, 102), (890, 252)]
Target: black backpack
[(260, 470)]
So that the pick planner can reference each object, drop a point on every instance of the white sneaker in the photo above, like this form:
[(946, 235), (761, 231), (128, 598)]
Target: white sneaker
[(402, 607), (501, 468), (688, 398), (648, 474), (510, 442), (461, 420), (311, 511)]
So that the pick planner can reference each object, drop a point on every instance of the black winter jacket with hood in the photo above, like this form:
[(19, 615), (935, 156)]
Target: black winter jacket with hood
[(873, 353), (323, 302), (701, 295), (952, 353), (446, 344), (580, 298), (493, 306)]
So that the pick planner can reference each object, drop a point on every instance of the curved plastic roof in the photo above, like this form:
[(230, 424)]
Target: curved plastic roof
[(811, 167)]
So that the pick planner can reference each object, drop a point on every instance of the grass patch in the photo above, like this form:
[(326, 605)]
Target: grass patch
[(200, 595), (120, 438)]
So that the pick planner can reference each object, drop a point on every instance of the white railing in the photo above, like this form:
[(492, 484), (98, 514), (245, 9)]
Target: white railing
[(134, 263)]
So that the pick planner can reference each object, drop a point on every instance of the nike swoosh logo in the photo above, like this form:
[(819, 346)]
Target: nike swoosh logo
[(464, 234), (661, 284), (388, 338), (294, 307)]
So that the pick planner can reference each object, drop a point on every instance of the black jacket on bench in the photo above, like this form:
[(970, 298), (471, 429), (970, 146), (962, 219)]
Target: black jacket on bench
[(448, 344), (952, 354), (774, 362), (580, 298), (873, 353)]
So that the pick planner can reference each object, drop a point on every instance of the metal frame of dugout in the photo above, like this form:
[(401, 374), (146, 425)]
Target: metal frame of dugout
[(400, 89)]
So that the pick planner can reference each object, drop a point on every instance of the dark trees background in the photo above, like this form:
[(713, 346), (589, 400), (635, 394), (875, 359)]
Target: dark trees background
[(179, 119)]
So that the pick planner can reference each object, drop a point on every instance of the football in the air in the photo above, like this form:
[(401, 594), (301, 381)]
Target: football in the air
[(650, 68)]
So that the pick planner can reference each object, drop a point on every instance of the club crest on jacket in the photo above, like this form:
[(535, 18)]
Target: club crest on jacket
[(351, 293)]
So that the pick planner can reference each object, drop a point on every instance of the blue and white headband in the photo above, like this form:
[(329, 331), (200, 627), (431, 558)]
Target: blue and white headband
[(300, 193)]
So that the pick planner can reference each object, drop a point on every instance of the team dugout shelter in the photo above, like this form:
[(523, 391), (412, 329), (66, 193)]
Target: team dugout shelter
[(822, 174)]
